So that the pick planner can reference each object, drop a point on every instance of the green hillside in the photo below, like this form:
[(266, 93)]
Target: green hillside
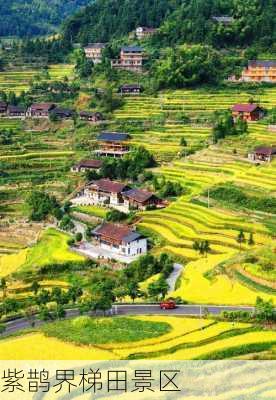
[(36, 17)]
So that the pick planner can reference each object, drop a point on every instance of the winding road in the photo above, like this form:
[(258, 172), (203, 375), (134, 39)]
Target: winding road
[(135, 309)]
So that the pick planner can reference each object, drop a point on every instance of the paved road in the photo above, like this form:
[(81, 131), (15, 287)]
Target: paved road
[(136, 309), (171, 280)]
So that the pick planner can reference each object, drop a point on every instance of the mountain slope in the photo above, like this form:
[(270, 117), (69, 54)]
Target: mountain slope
[(108, 19), (35, 17), (189, 21)]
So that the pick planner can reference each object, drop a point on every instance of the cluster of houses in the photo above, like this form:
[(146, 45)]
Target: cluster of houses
[(131, 57), (44, 110), (108, 193)]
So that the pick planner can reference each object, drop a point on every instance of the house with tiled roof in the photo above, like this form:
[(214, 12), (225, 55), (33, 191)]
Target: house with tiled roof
[(3, 108), (143, 32), (263, 154), (131, 59), (247, 112), (102, 192), (120, 239), (114, 144), (259, 71), (93, 52), (87, 165), (40, 110), (91, 116), (140, 199), (132, 88), (16, 111)]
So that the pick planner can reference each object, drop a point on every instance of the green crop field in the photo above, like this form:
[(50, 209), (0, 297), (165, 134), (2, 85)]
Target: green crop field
[(41, 158), (19, 80)]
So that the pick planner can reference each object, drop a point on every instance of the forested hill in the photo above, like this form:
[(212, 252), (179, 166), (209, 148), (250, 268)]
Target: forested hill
[(107, 19), (180, 21), (35, 17)]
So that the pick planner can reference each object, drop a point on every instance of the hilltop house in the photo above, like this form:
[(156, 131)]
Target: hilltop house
[(113, 144), (120, 239), (247, 112), (263, 153), (143, 32), (101, 192), (259, 71), (87, 165), (140, 199), (130, 89), (93, 52), (16, 111), (91, 116), (40, 110), (131, 59)]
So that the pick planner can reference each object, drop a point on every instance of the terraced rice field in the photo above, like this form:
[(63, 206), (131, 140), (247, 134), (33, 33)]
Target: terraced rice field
[(19, 80), (192, 102), (188, 339)]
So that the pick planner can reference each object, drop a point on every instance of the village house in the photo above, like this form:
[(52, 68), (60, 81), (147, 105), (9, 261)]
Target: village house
[(40, 110), (120, 239), (87, 165), (91, 116), (130, 89), (16, 111), (143, 32), (3, 108), (259, 71), (140, 199), (264, 153), (223, 19), (62, 113), (131, 59), (93, 52), (101, 192), (113, 144), (247, 112)]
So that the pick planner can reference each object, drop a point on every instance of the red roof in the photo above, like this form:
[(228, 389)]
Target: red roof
[(266, 151), (107, 185), (42, 106), (112, 231), (244, 107)]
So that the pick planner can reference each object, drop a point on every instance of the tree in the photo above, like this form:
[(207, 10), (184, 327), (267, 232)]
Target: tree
[(78, 237), (264, 310), (41, 205), (43, 297), (240, 238), (183, 142), (59, 312), (30, 313), (188, 65), (84, 66), (35, 286), (66, 223), (206, 247), (44, 314), (2, 328), (158, 289), (3, 287), (133, 290), (251, 241)]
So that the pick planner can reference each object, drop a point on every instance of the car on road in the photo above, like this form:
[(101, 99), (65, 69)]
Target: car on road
[(168, 305)]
